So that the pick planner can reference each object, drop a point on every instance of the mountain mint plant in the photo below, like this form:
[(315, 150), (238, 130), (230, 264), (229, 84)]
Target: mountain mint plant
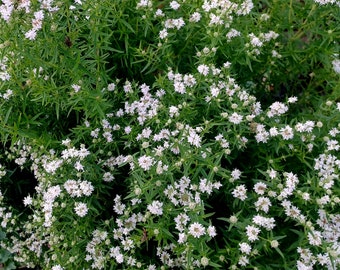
[(170, 134)]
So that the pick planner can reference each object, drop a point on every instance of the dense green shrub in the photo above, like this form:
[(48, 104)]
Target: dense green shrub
[(169, 134)]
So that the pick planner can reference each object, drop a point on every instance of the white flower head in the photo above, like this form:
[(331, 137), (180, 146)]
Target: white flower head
[(156, 208), (203, 69), (76, 87), (245, 248), (195, 17), (174, 5), (81, 209), (252, 233), (336, 65), (236, 174), (196, 230), (260, 188), (235, 118), (211, 231), (287, 132), (145, 162), (263, 204), (57, 267), (240, 192), (277, 109), (111, 87), (27, 200)]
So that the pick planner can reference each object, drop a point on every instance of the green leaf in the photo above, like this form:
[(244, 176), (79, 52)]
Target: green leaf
[(7, 115), (215, 265), (2, 235), (208, 215), (10, 266), (4, 255), (224, 219)]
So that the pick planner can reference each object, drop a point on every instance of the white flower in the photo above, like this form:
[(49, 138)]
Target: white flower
[(145, 162), (127, 130), (144, 3), (31, 34), (174, 5), (182, 238), (163, 34), (95, 133), (245, 7), (8, 94), (159, 13), (181, 220), (28, 200), (267, 223), (315, 238), (128, 244), (276, 109), (86, 187), (116, 253), (245, 248), (81, 209), (252, 233), (292, 99), (325, 2), (189, 80), (118, 206), (57, 267), (108, 177), (260, 188), (211, 231), (255, 41), (78, 188), (52, 193), (205, 186), (4, 76), (194, 138), (178, 23), (287, 132), (173, 111), (263, 203), (235, 118), (156, 208), (232, 33), (336, 65), (72, 188), (332, 145), (272, 173), (76, 87), (324, 259), (243, 261), (203, 69), (179, 87), (236, 174), (78, 166), (127, 87), (52, 166), (111, 87), (215, 20), (196, 229), (240, 192), (195, 17)]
